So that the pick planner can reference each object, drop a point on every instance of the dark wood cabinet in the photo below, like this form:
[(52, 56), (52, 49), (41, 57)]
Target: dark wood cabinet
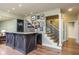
[(39, 39), (10, 39), (31, 42), (22, 42), (25, 42)]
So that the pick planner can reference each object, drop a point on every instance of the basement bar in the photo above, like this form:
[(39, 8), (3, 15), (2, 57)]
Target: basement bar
[(23, 42)]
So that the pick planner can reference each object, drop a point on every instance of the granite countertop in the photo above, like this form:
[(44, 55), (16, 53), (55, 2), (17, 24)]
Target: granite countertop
[(22, 32)]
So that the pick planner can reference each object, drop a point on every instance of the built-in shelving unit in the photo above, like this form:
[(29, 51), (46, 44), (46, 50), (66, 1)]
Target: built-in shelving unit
[(20, 25)]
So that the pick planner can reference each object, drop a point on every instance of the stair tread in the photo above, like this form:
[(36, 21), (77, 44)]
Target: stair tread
[(50, 34), (52, 37), (55, 40)]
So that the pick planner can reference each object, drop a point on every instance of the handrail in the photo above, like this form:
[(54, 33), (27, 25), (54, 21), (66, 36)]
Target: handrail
[(53, 26)]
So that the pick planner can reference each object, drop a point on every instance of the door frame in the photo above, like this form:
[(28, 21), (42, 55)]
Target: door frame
[(64, 32), (67, 27)]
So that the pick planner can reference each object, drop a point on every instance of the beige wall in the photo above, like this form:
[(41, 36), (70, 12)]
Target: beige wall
[(68, 17), (54, 22)]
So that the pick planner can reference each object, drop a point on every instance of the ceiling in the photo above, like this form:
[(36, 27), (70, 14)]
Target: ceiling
[(28, 8)]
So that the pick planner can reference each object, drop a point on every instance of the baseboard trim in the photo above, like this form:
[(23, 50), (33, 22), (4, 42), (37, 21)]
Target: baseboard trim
[(51, 46)]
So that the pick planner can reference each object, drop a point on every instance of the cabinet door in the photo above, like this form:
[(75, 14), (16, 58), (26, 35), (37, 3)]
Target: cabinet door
[(20, 43), (10, 39), (31, 42)]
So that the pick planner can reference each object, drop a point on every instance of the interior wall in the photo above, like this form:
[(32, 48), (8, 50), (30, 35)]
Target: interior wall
[(8, 25), (53, 20), (68, 17)]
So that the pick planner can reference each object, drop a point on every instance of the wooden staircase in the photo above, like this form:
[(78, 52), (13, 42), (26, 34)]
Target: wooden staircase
[(53, 33), (53, 37)]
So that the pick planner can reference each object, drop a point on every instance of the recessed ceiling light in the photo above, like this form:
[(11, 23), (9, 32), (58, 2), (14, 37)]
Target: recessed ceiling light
[(13, 8), (20, 5), (70, 9)]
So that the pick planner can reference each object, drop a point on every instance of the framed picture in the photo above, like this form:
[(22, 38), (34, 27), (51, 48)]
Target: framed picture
[(33, 17)]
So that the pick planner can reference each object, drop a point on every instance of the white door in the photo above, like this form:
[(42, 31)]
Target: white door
[(71, 29)]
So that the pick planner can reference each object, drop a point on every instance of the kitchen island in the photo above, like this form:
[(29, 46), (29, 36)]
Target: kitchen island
[(21, 41)]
